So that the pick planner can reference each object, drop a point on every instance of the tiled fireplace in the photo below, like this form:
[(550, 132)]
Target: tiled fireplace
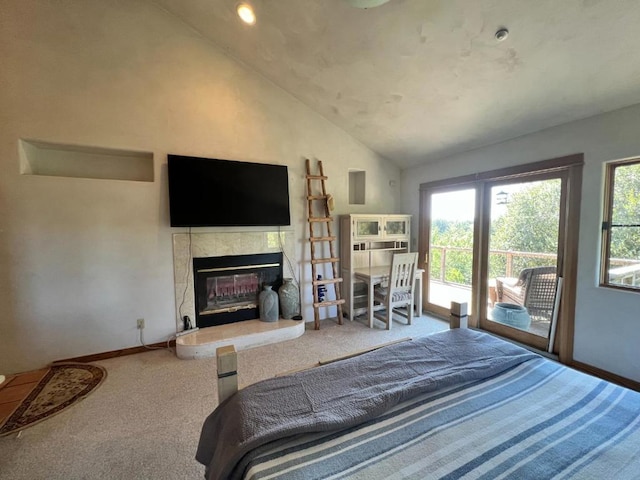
[(225, 245)]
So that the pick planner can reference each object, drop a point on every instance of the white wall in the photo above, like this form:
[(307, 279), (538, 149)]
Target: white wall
[(81, 259), (607, 324)]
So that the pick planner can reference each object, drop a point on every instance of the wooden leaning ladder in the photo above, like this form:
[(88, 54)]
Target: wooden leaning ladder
[(323, 218)]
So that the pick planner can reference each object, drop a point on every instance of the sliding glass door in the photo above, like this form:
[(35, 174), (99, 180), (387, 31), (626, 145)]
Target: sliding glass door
[(451, 245), (504, 242), (522, 253)]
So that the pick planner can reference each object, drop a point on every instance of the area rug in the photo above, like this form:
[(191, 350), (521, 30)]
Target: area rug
[(62, 386)]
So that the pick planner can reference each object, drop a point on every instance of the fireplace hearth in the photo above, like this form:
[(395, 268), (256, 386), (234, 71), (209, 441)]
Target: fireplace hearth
[(226, 288)]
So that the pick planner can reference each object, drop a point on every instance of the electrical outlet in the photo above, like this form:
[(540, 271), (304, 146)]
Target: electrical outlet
[(140, 323)]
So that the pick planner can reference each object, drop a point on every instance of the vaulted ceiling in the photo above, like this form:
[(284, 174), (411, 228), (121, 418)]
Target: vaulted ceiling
[(417, 80)]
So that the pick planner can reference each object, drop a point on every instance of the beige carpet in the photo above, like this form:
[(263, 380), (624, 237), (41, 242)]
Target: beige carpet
[(144, 421)]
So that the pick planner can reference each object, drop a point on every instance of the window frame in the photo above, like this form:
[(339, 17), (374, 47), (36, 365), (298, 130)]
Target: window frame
[(607, 220)]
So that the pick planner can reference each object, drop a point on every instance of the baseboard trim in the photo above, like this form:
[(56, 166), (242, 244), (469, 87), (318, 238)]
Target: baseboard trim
[(118, 353), (611, 377)]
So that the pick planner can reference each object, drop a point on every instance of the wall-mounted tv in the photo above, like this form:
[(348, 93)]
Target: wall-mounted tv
[(206, 192)]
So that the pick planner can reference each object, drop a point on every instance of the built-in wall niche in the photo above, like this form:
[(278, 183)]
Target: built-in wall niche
[(356, 187), (51, 159)]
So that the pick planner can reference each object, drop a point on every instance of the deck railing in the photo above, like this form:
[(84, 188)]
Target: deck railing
[(509, 263), (503, 263), (624, 272)]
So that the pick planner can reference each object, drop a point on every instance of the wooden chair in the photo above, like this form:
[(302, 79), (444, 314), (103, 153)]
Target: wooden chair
[(535, 289), (399, 290)]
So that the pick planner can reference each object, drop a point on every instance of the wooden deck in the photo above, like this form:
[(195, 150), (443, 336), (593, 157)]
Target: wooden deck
[(443, 294)]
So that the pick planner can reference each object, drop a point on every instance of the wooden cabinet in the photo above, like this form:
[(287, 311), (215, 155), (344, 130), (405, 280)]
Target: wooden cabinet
[(368, 241)]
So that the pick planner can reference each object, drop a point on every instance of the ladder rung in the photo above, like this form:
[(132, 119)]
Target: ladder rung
[(321, 219), (322, 239), (327, 281), (328, 303), (317, 197), (317, 177), (325, 260)]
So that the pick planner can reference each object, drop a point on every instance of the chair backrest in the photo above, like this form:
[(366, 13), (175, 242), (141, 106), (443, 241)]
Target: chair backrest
[(403, 272), (541, 289)]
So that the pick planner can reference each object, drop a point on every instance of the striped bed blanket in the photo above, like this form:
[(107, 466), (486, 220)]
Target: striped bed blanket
[(533, 419)]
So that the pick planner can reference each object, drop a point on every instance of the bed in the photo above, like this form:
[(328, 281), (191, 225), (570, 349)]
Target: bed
[(457, 404)]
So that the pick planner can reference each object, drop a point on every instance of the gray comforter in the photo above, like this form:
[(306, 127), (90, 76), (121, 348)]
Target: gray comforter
[(346, 393)]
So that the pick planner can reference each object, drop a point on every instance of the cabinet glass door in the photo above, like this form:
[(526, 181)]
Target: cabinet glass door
[(396, 227), (367, 228)]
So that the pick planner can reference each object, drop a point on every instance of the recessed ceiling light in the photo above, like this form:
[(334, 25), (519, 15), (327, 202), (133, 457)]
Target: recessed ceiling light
[(246, 13)]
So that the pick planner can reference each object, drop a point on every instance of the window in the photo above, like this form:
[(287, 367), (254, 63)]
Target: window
[(621, 226)]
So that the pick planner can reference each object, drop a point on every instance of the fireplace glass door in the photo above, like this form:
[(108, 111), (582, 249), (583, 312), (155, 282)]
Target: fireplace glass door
[(227, 288)]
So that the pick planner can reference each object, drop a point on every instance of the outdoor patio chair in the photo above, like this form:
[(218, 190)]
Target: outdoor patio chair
[(535, 289), (399, 291)]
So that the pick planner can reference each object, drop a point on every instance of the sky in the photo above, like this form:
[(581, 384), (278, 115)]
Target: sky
[(459, 205)]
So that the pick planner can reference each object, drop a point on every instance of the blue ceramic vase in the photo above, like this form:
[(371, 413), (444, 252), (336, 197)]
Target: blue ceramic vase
[(268, 304)]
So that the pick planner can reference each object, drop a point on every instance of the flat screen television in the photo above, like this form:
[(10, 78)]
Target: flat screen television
[(207, 192)]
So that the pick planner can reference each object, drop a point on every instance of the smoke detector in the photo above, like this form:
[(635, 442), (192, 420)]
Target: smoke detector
[(502, 34)]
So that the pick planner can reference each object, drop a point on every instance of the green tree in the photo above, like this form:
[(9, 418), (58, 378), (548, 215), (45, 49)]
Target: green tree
[(530, 224), (458, 264), (625, 241)]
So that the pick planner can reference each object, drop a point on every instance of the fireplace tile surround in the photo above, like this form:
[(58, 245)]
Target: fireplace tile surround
[(214, 244)]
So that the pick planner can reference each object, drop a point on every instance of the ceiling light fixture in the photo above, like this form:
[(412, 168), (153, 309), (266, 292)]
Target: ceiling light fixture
[(246, 13), (502, 34)]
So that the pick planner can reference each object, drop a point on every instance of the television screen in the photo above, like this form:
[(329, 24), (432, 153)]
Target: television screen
[(210, 192)]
